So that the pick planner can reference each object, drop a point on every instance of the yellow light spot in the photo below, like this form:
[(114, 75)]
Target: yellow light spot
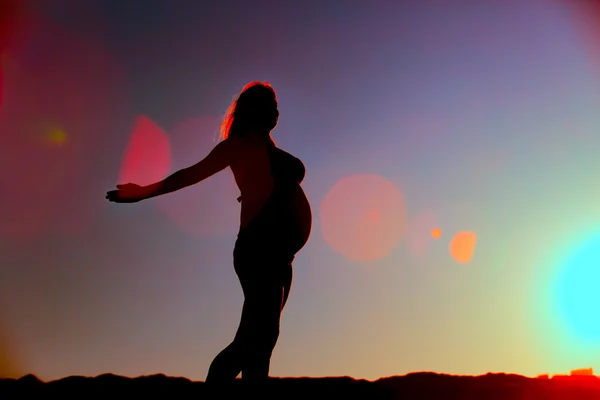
[(436, 233), (57, 136), (462, 246)]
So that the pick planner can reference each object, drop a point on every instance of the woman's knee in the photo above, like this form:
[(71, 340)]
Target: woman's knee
[(267, 337)]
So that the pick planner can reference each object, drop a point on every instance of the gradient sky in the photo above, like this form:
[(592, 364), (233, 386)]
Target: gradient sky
[(478, 117)]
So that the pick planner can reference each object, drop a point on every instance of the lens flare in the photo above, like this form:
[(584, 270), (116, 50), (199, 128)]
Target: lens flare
[(462, 246), (436, 233), (57, 136), (59, 93), (363, 217), (148, 156)]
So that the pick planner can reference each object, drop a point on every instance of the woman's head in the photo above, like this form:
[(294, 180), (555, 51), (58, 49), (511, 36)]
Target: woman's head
[(255, 109)]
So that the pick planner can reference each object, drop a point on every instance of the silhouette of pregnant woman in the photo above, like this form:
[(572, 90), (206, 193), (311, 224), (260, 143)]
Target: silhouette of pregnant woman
[(275, 224)]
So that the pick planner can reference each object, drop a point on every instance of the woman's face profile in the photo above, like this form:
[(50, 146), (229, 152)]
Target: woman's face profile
[(274, 116)]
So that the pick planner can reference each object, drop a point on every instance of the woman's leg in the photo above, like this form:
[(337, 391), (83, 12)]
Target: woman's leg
[(265, 304), (251, 349), (265, 273), (227, 365)]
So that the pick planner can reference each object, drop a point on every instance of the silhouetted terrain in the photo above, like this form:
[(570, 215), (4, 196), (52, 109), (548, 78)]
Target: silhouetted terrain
[(421, 385)]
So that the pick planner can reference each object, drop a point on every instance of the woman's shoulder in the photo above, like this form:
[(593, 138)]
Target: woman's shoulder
[(239, 145)]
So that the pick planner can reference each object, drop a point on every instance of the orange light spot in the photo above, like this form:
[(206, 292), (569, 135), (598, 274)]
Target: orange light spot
[(148, 155), (436, 233), (462, 246), (363, 217)]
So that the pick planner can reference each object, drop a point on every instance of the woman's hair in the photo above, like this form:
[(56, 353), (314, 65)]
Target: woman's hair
[(254, 109)]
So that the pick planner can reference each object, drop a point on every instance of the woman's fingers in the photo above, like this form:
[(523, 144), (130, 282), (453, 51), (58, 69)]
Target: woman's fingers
[(112, 195), (115, 195), (125, 193), (122, 196)]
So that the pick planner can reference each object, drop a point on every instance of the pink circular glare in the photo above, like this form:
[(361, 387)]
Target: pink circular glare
[(147, 157), (363, 217)]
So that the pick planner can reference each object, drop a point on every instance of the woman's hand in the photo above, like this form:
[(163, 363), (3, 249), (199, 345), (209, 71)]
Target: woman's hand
[(128, 193)]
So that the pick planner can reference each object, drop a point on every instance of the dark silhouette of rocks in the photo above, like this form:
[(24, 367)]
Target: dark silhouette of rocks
[(418, 385)]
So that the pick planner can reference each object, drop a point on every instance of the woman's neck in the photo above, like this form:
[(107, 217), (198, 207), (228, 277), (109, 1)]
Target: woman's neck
[(256, 135)]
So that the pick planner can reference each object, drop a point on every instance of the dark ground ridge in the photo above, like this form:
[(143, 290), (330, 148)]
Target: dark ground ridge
[(417, 385)]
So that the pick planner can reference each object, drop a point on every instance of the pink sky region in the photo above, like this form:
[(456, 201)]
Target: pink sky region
[(477, 120), (54, 110)]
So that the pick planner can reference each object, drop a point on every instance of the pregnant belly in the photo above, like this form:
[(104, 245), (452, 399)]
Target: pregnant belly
[(284, 221), (301, 215)]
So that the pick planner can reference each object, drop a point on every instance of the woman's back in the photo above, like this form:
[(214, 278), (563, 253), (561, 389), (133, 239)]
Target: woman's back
[(252, 172)]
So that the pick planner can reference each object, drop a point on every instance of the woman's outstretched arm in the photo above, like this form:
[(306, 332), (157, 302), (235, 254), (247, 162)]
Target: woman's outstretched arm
[(217, 160), (220, 157)]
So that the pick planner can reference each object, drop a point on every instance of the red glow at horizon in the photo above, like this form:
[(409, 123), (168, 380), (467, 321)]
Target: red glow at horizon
[(363, 217), (147, 158), (9, 364), (209, 208), (462, 246)]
